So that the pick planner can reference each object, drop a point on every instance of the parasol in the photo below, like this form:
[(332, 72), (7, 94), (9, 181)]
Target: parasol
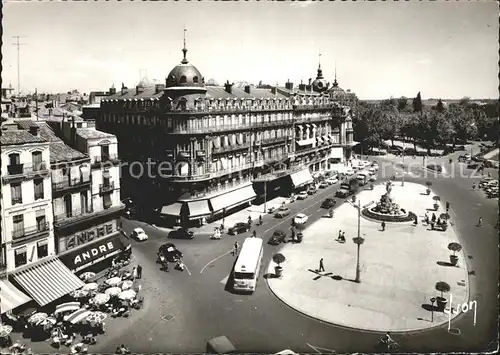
[(27, 312), (97, 317), (113, 281), (101, 298), (66, 307), (93, 286), (127, 284), (47, 321), (87, 275), (113, 291), (79, 293), (127, 295), (78, 316), (5, 330), (37, 318)]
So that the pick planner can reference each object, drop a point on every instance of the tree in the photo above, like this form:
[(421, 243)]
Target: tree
[(440, 106), (464, 101), (442, 286), (279, 258), (417, 103), (454, 247), (402, 103)]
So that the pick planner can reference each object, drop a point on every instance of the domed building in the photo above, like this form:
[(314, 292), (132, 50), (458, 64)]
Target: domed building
[(320, 84)]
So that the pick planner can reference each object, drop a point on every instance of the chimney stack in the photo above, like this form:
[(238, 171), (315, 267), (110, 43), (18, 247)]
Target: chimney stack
[(139, 89), (35, 130), (274, 90), (302, 87), (310, 81), (124, 89), (159, 88), (289, 85), (112, 90), (247, 89), (228, 87)]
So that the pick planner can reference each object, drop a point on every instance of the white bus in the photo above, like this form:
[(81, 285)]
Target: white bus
[(247, 267)]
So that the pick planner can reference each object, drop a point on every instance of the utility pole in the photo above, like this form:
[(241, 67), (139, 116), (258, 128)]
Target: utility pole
[(17, 44)]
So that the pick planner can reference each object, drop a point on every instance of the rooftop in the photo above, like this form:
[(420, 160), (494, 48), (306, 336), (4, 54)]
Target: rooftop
[(45, 131), (19, 137), (60, 152), (90, 133)]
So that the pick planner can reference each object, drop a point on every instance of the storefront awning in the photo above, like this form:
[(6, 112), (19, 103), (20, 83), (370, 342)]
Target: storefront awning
[(48, 281), (233, 198), (172, 210), (11, 297), (301, 178), (198, 209), (92, 253)]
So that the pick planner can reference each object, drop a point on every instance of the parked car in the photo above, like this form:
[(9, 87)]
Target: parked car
[(347, 188), (300, 218), (181, 233), (323, 185), (312, 190), (373, 177), (238, 228), (328, 203), (170, 252), (302, 195), (332, 180), (282, 212), (139, 234), (277, 238), (350, 172)]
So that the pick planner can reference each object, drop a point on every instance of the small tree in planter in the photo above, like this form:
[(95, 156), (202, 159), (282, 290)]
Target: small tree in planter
[(436, 204), (442, 287), (428, 190), (278, 259), (455, 248)]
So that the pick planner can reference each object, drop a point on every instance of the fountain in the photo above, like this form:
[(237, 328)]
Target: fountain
[(388, 210)]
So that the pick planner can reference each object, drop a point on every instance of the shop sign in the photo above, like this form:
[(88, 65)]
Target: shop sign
[(100, 249), (87, 236)]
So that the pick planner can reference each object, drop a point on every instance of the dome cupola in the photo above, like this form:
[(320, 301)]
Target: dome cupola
[(320, 84)]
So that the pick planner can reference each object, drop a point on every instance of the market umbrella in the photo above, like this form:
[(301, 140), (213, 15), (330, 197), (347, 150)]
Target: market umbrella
[(77, 316), (127, 295), (96, 317), (127, 284), (47, 321), (5, 330), (113, 281), (87, 275), (66, 307), (79, 293), (93, 286), (113, 291), (101, 298), (37, 317), (27, 312)]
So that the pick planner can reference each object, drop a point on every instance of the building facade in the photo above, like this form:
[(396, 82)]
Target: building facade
[(26, 213), (214, 148)]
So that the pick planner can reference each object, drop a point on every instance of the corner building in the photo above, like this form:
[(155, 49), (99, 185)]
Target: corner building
[(221, 146)]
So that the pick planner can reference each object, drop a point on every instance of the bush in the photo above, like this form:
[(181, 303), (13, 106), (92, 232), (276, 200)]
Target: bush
[(279, 258), (442, 286), (454, 247)]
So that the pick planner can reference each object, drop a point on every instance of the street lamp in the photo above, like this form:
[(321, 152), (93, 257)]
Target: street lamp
[(224, 216), (403, 179), (433, 299), (359, 240), (265, 195)]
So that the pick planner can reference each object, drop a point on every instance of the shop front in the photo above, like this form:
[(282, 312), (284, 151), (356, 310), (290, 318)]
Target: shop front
[(91, 246)]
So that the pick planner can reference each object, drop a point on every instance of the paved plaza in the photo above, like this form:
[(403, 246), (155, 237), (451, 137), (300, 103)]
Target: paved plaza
[(399, 268)]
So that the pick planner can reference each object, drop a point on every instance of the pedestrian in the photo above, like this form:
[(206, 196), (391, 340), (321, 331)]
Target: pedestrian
[(415, 222), (134, 273), (383, 226), (340, 235), (321, 266), (113, 263), (254, 233), (480, 222), (236, 247), (433, 219), (473, 186), (432, 225), (260, 220), (139, 271), (343, 236), (489, 174)]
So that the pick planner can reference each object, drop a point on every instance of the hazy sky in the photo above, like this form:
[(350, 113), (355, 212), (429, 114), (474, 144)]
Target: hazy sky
[(381, 49)]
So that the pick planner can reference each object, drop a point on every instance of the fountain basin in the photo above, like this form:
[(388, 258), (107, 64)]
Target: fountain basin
[(385, 217)]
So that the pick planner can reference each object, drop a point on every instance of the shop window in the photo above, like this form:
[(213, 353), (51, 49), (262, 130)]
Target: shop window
[(42, 249), (20, 257), (38, 184)]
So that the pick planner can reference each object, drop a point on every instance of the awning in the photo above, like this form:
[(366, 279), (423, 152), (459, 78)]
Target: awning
[(233, 198), (172, 210), (11, 297), (48, 281), (92, 253), (198, 209), (301, 178), (303, 142)]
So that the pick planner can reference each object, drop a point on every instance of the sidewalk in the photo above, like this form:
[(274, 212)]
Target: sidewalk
[(254, 211), (399, 268)]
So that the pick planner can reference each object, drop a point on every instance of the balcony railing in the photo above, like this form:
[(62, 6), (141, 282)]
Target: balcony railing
[(231, 127), (104, 188), (300, 107), (16, 200), (63, 220), (226, 109), (30, 232), (230, 148), (69, 184), (72, 216), (212, 175), (27, 169), (113, 158), (273, 140)]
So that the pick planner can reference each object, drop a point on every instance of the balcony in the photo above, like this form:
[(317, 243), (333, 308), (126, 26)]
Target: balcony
[(104, 159), (19, 171), (273, 140), (64, 220), (326, 107), (16, 200), (230, 148), (30, 233), (210, 175), (106, 188), (231, 127), (69, 185), (219, 109)]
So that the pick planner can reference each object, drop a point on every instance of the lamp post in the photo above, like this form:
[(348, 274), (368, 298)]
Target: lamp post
[(224, 216), (265, 195), (358, 240), (362, 146), (433, 299)]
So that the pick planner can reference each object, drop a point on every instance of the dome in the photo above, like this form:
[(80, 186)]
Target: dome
[(320, 84), (185, 75)]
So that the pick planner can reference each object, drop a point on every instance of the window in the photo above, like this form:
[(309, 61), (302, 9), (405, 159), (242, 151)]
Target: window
[(18, 226), (107, 201), (84, 202), (20, 256), (16, 193), (41, 223), (68, 205), (182, 80), (38, 183), (36, 159), (14, 159), (104, 152), (42, 249), (195, 79)]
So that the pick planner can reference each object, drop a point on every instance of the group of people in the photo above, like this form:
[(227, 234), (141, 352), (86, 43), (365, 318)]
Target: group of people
[(179, 265), (341, 237), (435, 221)]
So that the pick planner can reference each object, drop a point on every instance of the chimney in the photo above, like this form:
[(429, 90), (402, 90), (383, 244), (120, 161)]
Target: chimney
[(247, 89), (124, 89), (112, 90), (274, 90), (139, 89), (308, 87), (35, 130), (228, 87), (73, 131), (289, 85), (159, 88), (302, 87)]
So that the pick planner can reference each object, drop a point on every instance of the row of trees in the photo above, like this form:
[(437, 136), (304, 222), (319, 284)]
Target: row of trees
[(429, 126)]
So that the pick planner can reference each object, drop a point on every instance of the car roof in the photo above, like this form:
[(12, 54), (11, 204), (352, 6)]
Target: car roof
[(139, 230), (301, 215)]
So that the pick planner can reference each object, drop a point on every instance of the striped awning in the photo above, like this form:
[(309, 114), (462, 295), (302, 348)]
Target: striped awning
[(67, 307), (301, 178), (233, 198), (11, 297), (47, 281), (198, 209), (77, 316)]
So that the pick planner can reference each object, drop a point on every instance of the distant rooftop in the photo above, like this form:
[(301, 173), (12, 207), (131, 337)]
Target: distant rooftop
[(45, 131), (19, 137), (90, 133), (60, 152)]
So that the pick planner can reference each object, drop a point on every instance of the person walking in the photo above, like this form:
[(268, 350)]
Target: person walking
[(134, 273), (236, 247), (340, 235), (480, 222), (254, 233), (433, 219), (383, 226), (473, 186), (321, 266), (139, 271), (260, 220)]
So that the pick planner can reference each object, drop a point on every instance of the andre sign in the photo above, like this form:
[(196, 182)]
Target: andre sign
[(91, 254), (88, 236)]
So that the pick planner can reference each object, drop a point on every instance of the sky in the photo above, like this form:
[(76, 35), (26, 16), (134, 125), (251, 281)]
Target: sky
[(444, 50)]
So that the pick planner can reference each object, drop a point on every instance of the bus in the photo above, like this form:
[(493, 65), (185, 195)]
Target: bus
[(247, 267)]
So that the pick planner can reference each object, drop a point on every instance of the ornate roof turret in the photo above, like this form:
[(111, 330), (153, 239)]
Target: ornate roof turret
[(320, 84)]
